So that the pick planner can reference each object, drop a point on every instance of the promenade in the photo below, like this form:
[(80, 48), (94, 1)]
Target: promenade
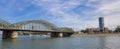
[(102, 34)]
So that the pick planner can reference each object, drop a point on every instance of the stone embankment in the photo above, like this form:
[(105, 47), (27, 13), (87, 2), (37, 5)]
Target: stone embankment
[(106, 34)]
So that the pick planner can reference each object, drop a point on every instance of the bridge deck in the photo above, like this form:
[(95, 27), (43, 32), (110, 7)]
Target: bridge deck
[(2, 29)]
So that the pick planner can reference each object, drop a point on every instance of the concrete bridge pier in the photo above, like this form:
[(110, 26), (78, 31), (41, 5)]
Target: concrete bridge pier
[(67, 34), (60, 35), (55, 34), (7, 34)]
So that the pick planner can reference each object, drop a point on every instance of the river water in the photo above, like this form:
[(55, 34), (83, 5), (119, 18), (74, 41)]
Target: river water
[(74, 42)]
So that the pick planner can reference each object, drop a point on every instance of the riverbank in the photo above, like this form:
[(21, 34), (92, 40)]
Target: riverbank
[(107, 34)]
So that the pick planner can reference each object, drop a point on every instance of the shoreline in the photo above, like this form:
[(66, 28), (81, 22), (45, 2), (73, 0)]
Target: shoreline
[(106, 34)]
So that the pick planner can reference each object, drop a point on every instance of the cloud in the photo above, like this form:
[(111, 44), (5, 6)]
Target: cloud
[(78, 14), (63, 12), (110, 9), (112, 20)]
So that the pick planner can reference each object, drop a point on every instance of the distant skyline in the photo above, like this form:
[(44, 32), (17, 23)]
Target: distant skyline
[(78, 14)]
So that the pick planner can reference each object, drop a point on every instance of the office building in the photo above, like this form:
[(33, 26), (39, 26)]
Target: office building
[(101, 22)]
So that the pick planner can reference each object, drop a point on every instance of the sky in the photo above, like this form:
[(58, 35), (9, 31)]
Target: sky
[(77, 14)]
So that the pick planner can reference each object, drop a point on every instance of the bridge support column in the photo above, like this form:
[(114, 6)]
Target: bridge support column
[(7, 34), (55, 34), (60, 35), (67, 34)]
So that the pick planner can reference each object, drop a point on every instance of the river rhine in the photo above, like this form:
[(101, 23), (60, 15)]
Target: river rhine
[(75, 42)]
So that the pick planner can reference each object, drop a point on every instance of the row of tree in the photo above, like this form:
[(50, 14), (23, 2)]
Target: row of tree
[(117, 30)]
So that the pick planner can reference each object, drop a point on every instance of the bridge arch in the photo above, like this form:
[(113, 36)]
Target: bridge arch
[(37, 22), (4, 23)]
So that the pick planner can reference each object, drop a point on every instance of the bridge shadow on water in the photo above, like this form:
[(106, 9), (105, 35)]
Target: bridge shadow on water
[(31, 37), (25, 37)]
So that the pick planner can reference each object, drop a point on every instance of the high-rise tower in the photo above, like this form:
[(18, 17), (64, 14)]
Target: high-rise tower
[(101, 23)]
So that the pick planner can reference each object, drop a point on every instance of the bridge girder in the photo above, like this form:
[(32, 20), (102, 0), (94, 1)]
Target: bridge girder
[(45, 23), (4, 23)]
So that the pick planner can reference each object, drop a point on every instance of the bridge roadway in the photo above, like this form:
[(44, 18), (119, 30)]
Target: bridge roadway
[(33, 30), (10, 30), (11, 33)]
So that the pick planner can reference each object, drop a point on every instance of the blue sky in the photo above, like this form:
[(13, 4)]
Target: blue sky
[(78, 14)]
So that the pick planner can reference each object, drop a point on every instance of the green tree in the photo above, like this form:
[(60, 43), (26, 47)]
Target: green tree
[(84, 31), (117, 29)]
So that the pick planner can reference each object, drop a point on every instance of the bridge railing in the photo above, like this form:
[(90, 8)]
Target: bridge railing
[(57, 29), (19, 28)]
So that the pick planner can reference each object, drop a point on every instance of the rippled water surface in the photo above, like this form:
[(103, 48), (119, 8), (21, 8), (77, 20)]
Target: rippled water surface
[(79, 42)]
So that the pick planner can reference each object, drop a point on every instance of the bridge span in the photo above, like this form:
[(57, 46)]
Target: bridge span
[(10, 31)]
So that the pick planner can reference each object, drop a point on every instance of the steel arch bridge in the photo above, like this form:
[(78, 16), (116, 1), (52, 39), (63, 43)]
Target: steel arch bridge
[(33, 25), (4, 23), (11, 30)]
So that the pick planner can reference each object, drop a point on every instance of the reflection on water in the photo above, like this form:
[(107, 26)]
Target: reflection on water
[(8, 44), (81, 42)]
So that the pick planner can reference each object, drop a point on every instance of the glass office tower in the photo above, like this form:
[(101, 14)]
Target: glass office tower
[(101, 23)]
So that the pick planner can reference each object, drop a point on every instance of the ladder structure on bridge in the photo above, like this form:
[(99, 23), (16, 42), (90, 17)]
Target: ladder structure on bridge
[(11, 30)]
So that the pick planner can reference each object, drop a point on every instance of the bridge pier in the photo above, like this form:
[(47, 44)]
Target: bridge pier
[(60, 35), (56, 34), (67, 34), (7, 34)]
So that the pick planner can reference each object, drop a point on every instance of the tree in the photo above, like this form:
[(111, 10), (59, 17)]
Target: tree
[(84, 31), (117, 29)]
